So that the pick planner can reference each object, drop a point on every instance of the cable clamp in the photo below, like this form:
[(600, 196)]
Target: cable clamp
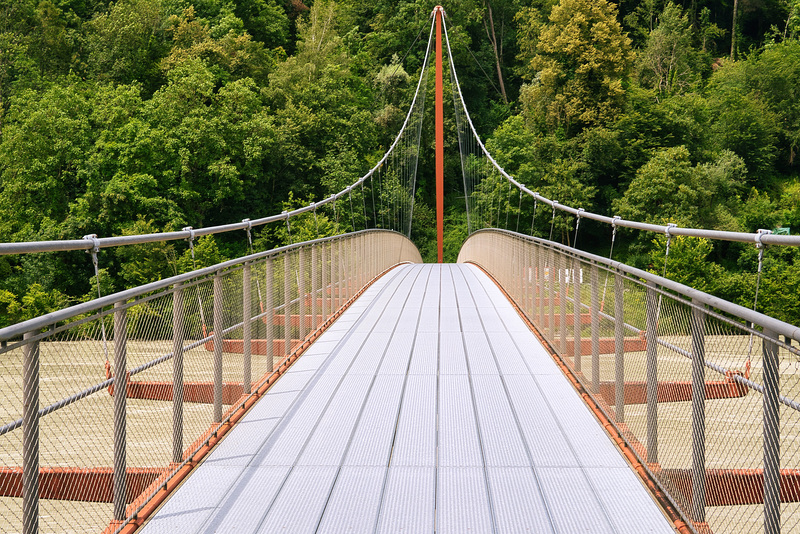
[(761, 233), (669, 227), (191, 233), (95, 243)]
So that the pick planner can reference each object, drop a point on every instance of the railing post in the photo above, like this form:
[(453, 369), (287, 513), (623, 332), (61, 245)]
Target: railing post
[(594, 313), (324, 283), (30, 436), (301, 293), (218, 341), (619, 346), (120, 402), (314, 287), (576, 314), (269, 310), (177, 373), (551, 297), (247, 329), (339, 276), (541, 280), (652, 374), (287, 299), (698, 413), (772, 475), (563, 288)]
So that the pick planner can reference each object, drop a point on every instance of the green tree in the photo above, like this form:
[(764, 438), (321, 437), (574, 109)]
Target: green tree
[(127, 42), (669, 188), (580, 60), (667, 63)]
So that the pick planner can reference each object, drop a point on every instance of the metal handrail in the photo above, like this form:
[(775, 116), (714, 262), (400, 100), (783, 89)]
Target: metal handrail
[(45, 321)]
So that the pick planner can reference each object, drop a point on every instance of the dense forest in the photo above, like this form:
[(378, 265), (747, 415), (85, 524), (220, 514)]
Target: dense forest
[(138, 116)]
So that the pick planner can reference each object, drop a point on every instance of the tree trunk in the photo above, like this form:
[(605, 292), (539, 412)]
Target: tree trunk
[(493, 39), (733, 28)]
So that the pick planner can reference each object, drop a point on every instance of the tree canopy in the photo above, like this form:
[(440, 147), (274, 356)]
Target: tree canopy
[(132, 116)]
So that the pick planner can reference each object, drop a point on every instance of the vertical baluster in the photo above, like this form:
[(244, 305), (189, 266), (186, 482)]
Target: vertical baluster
[(178, 337), (120, 401), (269, 309), (30, 436), (595, 316), (619, 346), (772, 450), (314, 272), (247, 334), (301, 293), (218, 346), (576, 314), (698, 413), (324, 258), (287, 299), (652, 374)]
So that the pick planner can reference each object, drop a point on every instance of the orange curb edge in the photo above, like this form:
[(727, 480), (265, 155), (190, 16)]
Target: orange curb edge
[(608, 425), (170, 482)]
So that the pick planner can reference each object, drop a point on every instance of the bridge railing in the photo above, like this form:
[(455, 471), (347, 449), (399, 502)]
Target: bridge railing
[(705, 393), (106, 404)]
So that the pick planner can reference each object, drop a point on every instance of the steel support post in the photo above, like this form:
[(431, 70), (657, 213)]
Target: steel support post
[(576, 314), (772, 447), (595, 316), (120, 402), (301, 293), (247, 329), (324, 282), (540, 282), (287, 299), (269, 310), (652, 374), (178, 337), (340, 274), (218, 342), (563, 288), (439, 120), (30, 436), (698, 412), (551, 296), (619, 346), (314, 287)]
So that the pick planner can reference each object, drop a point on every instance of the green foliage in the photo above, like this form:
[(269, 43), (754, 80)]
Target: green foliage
[(669, 187), (668, 63), (136, 116), (206, 254), (580, 60)]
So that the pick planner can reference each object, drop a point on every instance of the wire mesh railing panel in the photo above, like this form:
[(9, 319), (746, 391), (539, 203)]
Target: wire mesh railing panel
[(104, 403), (704, 392)]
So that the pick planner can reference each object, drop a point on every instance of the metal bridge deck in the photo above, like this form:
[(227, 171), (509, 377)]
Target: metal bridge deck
[(427, 407)]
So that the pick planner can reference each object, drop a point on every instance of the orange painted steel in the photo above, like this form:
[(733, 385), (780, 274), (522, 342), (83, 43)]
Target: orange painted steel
[(78, 483), (294, 320), (198, 392), (439, 116), (636, 392), (257, 346), (613, 432), (735, 487), (159, 490), (607, 345), (586, 319)]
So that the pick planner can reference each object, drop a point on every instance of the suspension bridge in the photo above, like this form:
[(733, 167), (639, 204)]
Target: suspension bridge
[(340, 385)]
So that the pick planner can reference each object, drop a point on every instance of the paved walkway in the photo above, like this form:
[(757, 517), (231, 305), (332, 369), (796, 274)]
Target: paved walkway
[(427, 407)]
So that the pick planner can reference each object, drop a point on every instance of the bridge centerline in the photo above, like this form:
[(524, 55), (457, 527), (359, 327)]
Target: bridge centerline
[(453, 439)]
